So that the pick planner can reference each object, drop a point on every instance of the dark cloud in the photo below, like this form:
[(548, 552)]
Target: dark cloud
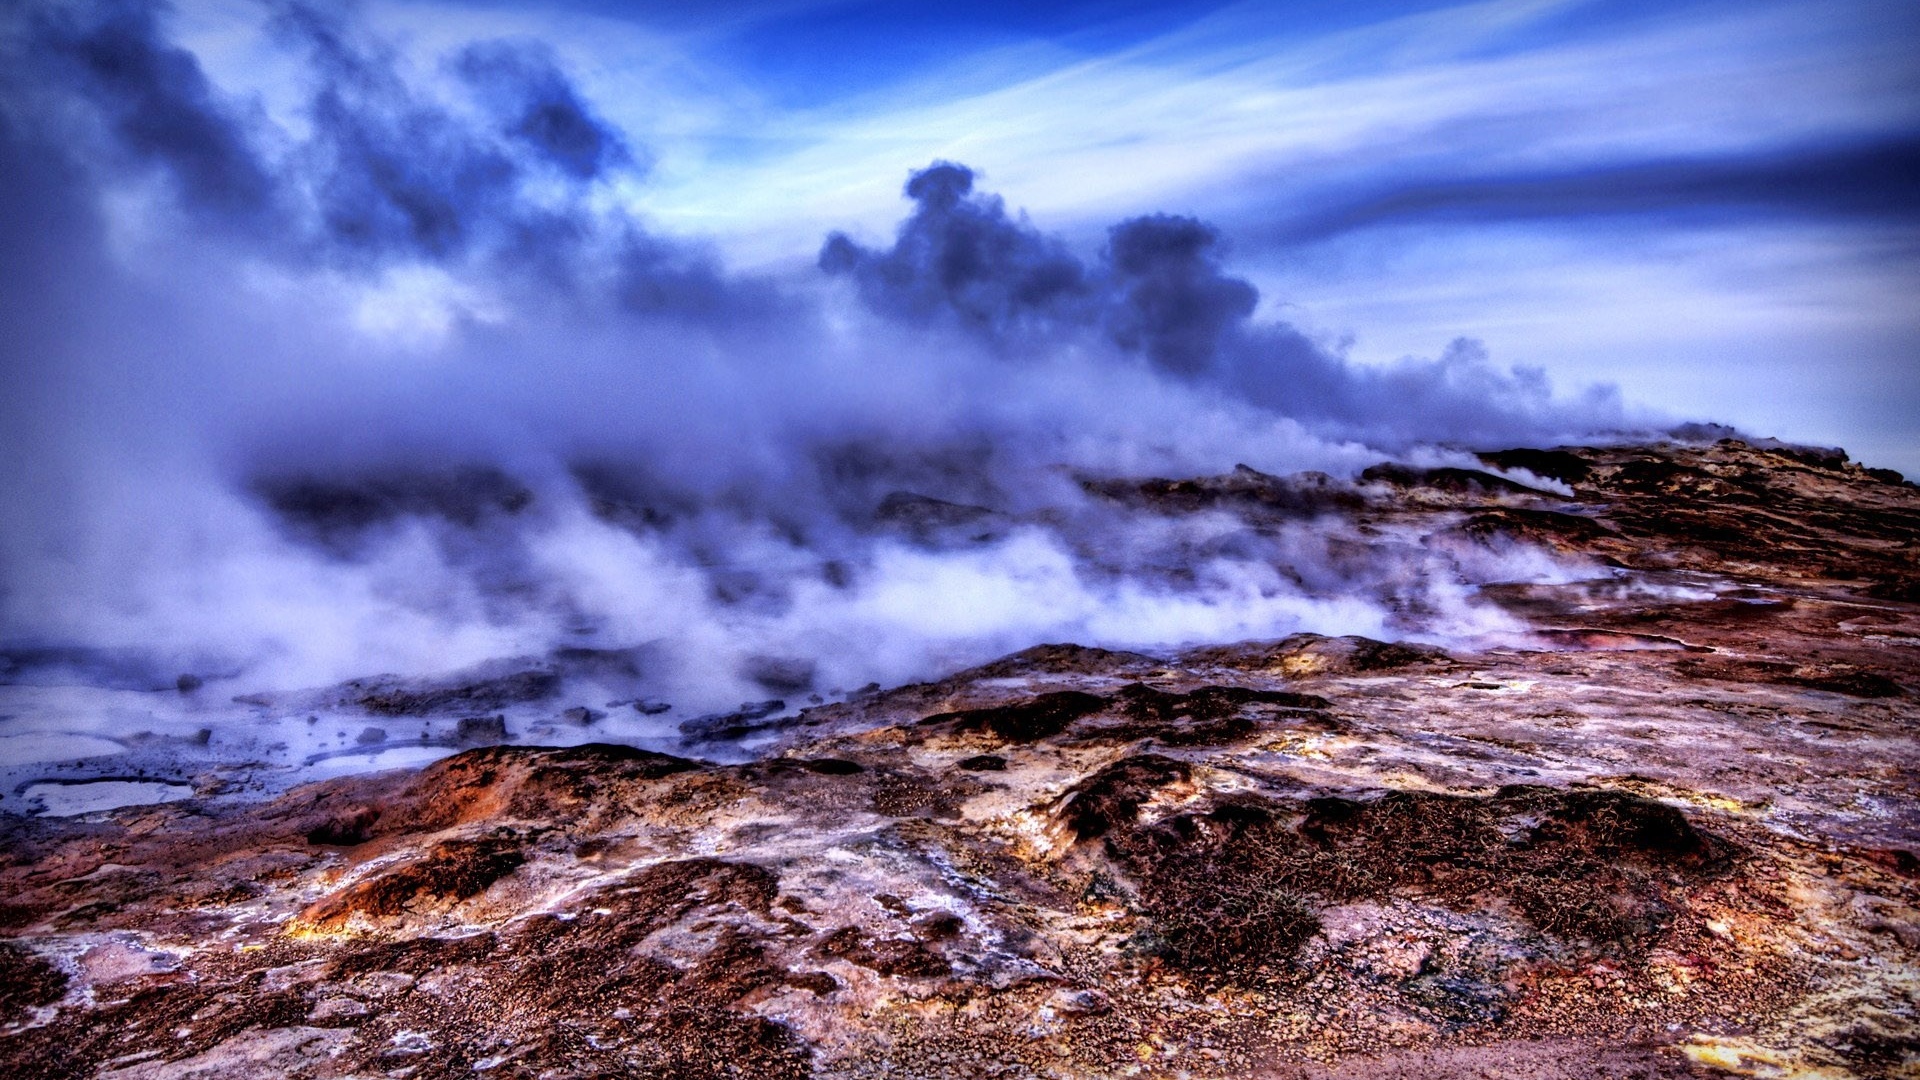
[(1160, 290), (1461, 396), (385, 171), (661, 278), (396, 174), (960, 257), (536, 105), (1873, 179), (388, 174), (1172, 300), (158, 103)]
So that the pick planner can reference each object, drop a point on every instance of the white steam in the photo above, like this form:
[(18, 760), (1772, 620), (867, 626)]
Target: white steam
[(276, 419)]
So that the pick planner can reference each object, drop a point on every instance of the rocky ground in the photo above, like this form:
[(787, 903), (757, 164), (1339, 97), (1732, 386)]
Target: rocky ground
[(1668, 827)]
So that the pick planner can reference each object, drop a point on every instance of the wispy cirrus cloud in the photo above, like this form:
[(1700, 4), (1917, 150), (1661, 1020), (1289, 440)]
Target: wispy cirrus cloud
[(1242, 113)]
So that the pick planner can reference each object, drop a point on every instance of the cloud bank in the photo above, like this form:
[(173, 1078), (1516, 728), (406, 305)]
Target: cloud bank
[(401, 381)]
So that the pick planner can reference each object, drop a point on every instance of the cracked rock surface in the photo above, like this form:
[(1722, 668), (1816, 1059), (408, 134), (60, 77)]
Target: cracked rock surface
[(1669, 827)]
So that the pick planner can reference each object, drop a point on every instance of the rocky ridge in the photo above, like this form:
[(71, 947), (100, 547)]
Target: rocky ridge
[(1666, 824)]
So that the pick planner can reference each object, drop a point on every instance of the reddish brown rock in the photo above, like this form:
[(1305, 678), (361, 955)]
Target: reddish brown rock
[(1663, 826)]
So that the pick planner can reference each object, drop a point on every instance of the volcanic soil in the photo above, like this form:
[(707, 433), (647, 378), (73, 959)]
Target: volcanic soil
[(1666, 825)]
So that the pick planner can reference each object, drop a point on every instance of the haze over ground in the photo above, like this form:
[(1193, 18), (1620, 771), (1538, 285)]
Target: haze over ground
[(307, 305)]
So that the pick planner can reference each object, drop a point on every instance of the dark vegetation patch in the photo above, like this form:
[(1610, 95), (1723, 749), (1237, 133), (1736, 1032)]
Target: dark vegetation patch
[(1875, 1051), (1210, 715), (889, 956), (1366, 654), (26, 982), (1025, 721), (1145, 703), (450, 871), (14, 916), (1207, 716), (1666, 478), (1111, 798), (177, 1019), (1904, 588), (1226, 921), (567, 977), (1230, 890)]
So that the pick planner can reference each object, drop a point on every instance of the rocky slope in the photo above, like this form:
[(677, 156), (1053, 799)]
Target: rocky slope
[(1664, 825)]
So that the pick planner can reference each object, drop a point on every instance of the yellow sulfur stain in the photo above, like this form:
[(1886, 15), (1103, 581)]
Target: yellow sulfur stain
[(1744, 1058)]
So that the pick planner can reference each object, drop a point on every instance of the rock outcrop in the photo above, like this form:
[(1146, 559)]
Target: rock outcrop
[(1669, 826)]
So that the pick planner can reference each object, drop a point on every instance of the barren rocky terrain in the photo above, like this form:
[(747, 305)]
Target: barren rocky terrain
[(1668, 826)]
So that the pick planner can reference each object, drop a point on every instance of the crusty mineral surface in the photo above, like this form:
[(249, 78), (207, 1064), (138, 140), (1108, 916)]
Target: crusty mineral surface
[(1662, 822)]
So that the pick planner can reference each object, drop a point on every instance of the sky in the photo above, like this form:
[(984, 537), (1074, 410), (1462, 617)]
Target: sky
[(1709, 204), (395, 336)]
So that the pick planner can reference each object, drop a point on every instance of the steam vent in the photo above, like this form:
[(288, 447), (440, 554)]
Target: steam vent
[(878, 540), (1664, 826)]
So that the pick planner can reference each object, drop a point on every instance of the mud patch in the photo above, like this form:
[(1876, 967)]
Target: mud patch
[(71, 798), (1588, 639)]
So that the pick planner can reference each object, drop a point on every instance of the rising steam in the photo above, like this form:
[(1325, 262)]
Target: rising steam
[(401, 381)]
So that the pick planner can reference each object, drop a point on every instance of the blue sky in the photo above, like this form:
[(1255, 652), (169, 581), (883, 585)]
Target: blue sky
[(1711, 204)]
